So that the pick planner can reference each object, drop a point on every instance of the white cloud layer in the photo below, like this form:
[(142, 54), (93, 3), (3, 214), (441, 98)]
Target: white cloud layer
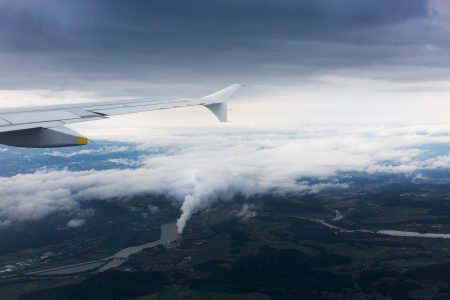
[(206, 165)]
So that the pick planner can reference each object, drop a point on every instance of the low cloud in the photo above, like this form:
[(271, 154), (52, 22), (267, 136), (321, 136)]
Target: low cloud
[(247, 212), (75, 223), (123, 161), (208, 165), (100, 151), (153, 209)]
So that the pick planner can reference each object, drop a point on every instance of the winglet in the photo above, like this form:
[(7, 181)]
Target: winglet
[(219, 110), (219, 100)]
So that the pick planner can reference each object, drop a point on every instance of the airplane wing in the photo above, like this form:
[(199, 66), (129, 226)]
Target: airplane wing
[(43, 126)]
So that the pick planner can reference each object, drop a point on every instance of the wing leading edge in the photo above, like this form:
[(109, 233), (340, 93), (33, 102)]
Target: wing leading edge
[(43, 126)]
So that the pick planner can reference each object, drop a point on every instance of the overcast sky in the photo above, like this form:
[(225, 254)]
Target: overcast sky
[(382, 60)]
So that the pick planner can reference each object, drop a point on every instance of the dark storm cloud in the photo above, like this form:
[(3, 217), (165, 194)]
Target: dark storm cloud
[(145, 25), (163, 40)]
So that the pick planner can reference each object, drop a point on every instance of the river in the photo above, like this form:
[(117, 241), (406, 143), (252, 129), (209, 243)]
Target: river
[(169, 234), (399, 233)]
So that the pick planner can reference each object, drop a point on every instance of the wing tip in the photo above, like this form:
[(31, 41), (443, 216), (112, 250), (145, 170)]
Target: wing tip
[(224, 94), (218, 101)]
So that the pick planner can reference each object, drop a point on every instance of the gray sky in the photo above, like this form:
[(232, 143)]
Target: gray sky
[(304, 52)]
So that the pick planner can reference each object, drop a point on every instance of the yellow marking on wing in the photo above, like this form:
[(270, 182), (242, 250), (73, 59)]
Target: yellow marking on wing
[(82, 140)]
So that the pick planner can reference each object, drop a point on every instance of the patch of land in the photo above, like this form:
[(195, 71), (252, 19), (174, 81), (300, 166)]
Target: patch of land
[(281, 252)]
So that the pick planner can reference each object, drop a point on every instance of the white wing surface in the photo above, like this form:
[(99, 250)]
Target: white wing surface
[(43, 126)]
